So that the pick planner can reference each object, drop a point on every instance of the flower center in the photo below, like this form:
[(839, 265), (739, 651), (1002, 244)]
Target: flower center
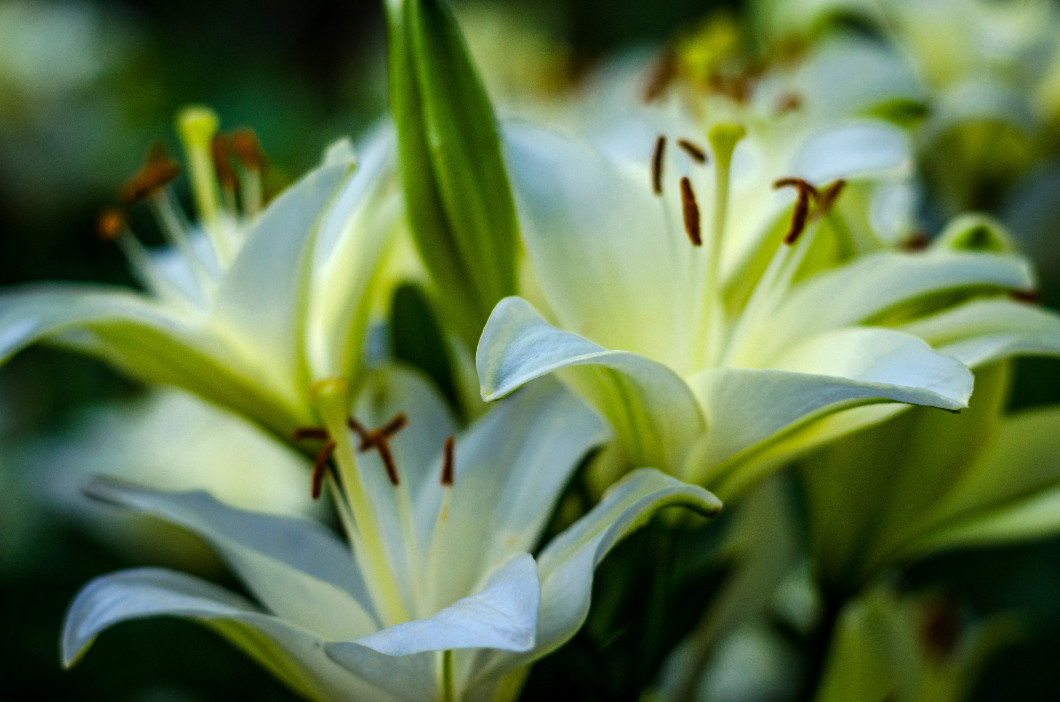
[(192, 272)]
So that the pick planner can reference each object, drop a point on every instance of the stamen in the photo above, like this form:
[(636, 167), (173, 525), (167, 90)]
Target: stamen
[(690, 210), (247, 150), (448, 465), (696, 153), (110, 224), (398, 422), (788, 102), (663, 74), (829, 196), (303, 433), (1030, 297), (320, 467), (222, 165), (657, 164), (378, 439), (916, 241), (157, 172), (800, 212)]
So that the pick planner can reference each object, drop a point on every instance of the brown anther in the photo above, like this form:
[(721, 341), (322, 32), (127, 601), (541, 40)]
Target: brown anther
[(110, 224), (1031, 297), (801, 211), (828, 197), (222, 163), (320, 467), (247, 150), (662, 75), (939, 625), (303, 433), (379, 439), (157, 172), (657, 164), (788, 102), (448, 465), (916, 241), (690, 210), (696, 153)]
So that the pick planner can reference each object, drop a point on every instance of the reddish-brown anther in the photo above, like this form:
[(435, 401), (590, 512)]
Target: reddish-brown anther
[(696, 153), (110, 224), (157, 172), (247, 150), (320, 467), (690, 210), (800, 213), (657, 164), (448, 464), (220, 150), (378, 439)]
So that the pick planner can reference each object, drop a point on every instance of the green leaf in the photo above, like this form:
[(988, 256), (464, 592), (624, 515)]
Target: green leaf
[(459, 200)]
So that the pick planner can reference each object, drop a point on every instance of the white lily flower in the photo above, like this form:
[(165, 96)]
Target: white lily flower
[(440, 598), (709, 358), (246, 308)]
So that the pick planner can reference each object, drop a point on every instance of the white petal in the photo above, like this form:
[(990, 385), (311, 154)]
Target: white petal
[(608, 263), (295, 567), (650, 408), (147, 340), (567, 563), (879, 283), (261, 302), (852, 151), (983, 331), (749, 408), (510, 468), (293, 655), (503, 615), (354, 237)]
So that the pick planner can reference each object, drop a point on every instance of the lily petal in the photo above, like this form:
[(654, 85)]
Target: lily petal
[(291, 654), (607, 272), (855, 150), (749, 408), (870, 286), (1011, 494), (147, 340), (495, 511), (983, 331), (567, 564), (355, 236), (261, 301), (295, 567), (650, 407), (503, 615)]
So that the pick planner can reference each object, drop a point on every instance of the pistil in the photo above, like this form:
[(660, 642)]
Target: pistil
[(723, 139), (197, 127), (331, 399)]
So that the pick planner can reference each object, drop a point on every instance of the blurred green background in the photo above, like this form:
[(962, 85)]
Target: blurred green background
[(85, 89)]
